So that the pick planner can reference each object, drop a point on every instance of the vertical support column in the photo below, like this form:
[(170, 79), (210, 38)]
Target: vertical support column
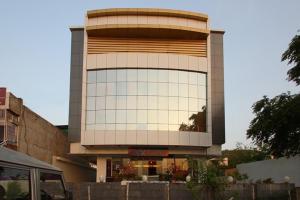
[(101, 169)]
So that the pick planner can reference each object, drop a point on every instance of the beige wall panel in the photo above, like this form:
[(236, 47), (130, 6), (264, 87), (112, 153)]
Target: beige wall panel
[(143, 19), (132, 19), (110, 137), (194, 139), (152, 137), (142, 137), (163, 137), (163, 60), (184, 138), (131, 137), (91, 60), (112, 19), (111, 60), (153, 59), (89, 138), (122, 19), (183, 62), (142, 60), (173, 138), (173, 61), (121, 137), (99, 137), (101, 60), (132, 60), (193, 63), (122, 60)]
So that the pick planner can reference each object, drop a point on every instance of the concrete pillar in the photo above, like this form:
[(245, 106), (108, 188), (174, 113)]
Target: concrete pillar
[(101, 169)]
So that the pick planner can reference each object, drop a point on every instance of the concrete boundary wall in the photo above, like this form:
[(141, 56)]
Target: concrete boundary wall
[(178, 191)]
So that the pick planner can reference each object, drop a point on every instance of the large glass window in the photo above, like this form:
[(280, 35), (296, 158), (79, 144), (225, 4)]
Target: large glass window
[(51, 186), (146, 99)]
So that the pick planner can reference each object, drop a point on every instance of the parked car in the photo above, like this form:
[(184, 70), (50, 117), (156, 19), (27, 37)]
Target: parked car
[(25, 178)]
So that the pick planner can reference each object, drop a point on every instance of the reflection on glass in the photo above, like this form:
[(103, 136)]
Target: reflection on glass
[(121, 116), (132, 75), (152, 89), (110, 102), (111, 89), (173, 76), (152, 75), (183, 90), (152, 102), (100, 103), (193, 78), (132, 88), (183, 103), (121, 102), (91, 103), (163, 89), (121, 75), (193, 91), (146, 99), (183, 77), (152, 116), (101, 89), (90, 117), (111, 75), (131, 102), (142, 75), (198, 122), (121, 88), (163, 75), (141, 116), (163, 116), (142, 102), (173, 103), (101, 76), (110, 116), (91, 76), (142, 88), (173, 117), (173, 89), (131, 116), (100, 116), (91, 89)]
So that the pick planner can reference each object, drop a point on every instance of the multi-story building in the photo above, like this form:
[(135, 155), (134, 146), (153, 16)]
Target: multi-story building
[(147, 90)]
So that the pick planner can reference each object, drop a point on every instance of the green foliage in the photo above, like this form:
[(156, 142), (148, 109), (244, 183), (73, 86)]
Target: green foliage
[(276, 124), (13, 190), (243, 155), (206, 179), (292, 55)]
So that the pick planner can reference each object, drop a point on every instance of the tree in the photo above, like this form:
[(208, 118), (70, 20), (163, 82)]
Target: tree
[(292, 55), (276, 125), (243, 155)]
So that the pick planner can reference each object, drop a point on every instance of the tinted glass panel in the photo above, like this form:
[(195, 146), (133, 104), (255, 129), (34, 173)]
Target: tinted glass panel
[(146, 99)]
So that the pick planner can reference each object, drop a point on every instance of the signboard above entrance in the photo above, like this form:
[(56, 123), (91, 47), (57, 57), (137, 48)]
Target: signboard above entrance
[(148, 152)]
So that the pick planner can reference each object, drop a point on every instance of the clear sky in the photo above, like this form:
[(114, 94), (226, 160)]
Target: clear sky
[(35, 50)]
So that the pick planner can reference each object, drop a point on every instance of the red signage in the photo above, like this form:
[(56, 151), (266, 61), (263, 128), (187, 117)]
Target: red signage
[(2, 96), (148, 152)]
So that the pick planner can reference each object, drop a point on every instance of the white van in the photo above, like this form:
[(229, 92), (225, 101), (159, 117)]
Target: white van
[(25, 178)]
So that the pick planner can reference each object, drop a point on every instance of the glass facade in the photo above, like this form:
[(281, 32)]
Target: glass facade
[(146, 99)]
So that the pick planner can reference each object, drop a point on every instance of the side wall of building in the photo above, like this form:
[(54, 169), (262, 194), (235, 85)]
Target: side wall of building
[(76, 85), (40, 139), (217, 88), (275, 169)]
